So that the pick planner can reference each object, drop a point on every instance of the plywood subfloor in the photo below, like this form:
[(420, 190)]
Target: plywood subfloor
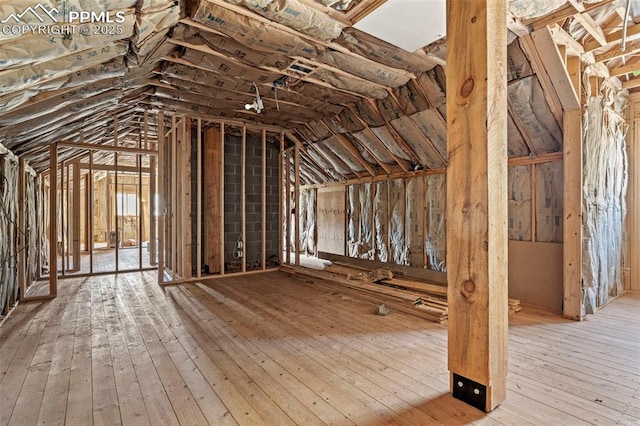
[(270, 349)]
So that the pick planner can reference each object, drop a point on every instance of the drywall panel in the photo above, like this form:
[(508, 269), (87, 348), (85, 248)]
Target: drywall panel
[(535, 274), (330, 220)]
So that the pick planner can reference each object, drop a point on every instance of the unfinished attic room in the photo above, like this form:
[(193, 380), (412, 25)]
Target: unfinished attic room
[(320, 212)]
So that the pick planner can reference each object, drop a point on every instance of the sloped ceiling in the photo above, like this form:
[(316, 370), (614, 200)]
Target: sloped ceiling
[(359, 106)]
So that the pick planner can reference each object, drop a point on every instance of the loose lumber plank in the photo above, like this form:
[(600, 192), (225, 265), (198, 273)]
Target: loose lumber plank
[(476, 199)]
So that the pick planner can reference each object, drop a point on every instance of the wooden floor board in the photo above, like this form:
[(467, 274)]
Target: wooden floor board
[(275, 349)]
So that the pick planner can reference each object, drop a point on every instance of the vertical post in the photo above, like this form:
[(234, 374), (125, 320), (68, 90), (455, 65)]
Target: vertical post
[(264, 199), (22, 229), (243, 198), (86, 212), (534, 225), (572, 227), (153, 218), (185, 199), (161, 197), (69, 228), (153, 195), (76, 216), (199, 198), (115, 192), (287, 186), (477, 201), (213, 252), (297, 193), (53, 219), (222, 256), (90, 212), (280, 197), (174, 208), (63, 210)]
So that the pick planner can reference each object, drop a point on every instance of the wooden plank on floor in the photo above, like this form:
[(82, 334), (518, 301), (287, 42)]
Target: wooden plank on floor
[(105, 402), (54, 406), (207, 400), (155, 397), (130, 399)]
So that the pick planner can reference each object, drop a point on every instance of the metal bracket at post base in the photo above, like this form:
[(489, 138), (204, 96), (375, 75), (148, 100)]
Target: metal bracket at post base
[(469, 391)]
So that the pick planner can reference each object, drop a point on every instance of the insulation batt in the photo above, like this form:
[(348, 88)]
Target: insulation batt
[(605, 187), (436, 239), (519, 193)]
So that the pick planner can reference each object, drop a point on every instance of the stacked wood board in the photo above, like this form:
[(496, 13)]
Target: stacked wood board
[(379, 286)]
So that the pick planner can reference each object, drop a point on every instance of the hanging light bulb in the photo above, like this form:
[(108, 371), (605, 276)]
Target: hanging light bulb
[(257, 104)]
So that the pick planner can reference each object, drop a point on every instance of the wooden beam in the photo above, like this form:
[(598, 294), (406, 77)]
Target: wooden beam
[(555, 68), (631, 83), (75, 228), (264, 199), (476, 204), (198, 197), (212, 200), (631, 66), (352, 150), (22, 229), (614, 37), (162, 197), (574, 68), (521, 129), (615, 52), (221, 189), (185, 199), (537, 65), (562, 14), (90, 212), (110, 148), (243, 198), (53, 219), (280, 198), (296, 160), (592, 27), (572, 226), (153, 213), (287, 185)]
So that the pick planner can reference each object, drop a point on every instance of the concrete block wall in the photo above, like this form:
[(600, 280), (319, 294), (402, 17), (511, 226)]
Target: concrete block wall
[(253, 191), (232, 199)]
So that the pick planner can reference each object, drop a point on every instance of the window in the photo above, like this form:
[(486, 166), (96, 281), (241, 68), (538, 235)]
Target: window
[(127, 204)]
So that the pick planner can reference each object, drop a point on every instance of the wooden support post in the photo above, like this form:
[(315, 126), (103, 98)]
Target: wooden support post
[(76, 217), (297, 194), (86, 212), (173, 247), (162, 196), (287, 186), (222, 256), (185, 199), (572, 226), (22, 228), (199, 198), (53, 219), (213, 231), (243, 198), (264, 199), (63, 257), (477, 201), (115, 193), (90, 212), (280, 197), (534, 225)]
